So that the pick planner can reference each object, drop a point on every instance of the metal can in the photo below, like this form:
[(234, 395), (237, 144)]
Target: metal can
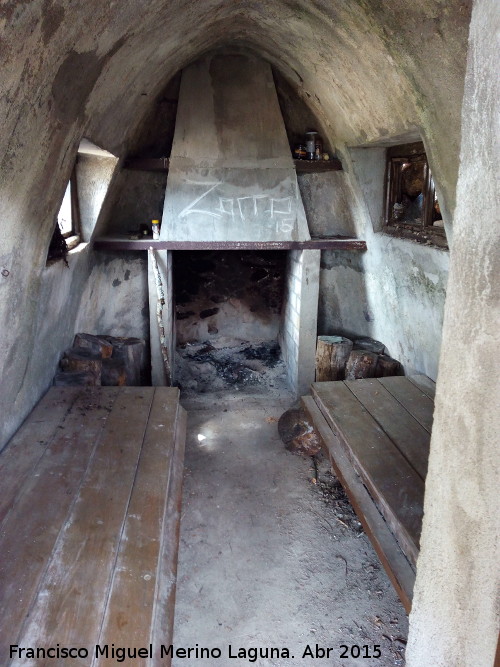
[(311, 144)]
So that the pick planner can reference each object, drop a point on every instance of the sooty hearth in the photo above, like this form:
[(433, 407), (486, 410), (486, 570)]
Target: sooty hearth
[(228, 318)]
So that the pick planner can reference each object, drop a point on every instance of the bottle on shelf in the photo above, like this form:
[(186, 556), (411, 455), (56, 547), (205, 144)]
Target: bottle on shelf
[(156, 229)]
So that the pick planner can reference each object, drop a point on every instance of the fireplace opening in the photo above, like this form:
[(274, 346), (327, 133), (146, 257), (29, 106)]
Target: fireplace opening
[(228, 313)]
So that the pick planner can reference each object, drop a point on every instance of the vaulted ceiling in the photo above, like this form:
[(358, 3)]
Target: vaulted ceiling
[(371, 70)]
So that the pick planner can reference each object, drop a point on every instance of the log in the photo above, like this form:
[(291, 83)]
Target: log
[(332, 353), (387, 366), (369, 344), (96, 344), (80, 359), (76, 379), (114, 373), (131, 351), (361, 364)]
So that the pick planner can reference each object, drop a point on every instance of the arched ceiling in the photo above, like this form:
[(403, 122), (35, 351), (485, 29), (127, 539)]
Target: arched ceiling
[(370, 69)]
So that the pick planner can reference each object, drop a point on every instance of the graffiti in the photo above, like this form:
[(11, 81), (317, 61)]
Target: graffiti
[(277, 213)]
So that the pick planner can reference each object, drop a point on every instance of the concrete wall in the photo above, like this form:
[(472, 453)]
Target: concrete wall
[(231, 175), (115, 297), (455, 616), (394, 292), (297, 336), (137, 199)]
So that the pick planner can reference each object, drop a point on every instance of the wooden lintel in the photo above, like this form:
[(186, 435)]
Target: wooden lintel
[(313, 244), (317, 166)]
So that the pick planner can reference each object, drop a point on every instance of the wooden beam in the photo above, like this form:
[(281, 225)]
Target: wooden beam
[(351, 244), (317, 166)]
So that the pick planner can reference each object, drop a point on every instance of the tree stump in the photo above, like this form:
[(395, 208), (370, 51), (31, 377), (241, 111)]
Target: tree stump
[(76, 379), (298, 434), (131, 352), (80, 359), (387, 366), (332, 353), (114, 373), (369, 345), (361, 364), (96, 344)]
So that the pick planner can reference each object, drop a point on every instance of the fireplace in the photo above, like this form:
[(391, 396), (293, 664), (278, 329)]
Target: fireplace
[(232, 181)]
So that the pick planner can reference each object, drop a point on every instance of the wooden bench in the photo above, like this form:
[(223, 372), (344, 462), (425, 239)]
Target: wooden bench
[(377, 434), (90, 492)]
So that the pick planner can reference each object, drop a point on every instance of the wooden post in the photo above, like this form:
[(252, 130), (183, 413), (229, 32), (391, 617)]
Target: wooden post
[(332, 353)]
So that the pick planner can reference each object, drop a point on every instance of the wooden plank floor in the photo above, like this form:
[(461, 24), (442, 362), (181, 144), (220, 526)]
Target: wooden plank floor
[(90, 488), (382, 428)]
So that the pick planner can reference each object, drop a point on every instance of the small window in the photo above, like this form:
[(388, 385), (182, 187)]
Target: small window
[(68, 217), (66, 233), (411, 201)]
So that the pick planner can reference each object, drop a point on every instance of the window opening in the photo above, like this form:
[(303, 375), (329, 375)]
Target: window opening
[(66, 233), (411, 200), (68, 217)]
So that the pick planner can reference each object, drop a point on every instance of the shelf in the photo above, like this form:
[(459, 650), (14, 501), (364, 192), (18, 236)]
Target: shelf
[(336, 243), (147, 164), (317, 166), (162, 164)]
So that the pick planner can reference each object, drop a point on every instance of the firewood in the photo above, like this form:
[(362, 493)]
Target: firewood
[(361, 364), (80, 359), (76, 379), (332, 353), (387, 366), (114, 373), (131, 351), (96, 344), (369, 344)]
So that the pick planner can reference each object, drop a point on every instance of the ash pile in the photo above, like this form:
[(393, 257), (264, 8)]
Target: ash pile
[(212, 366)]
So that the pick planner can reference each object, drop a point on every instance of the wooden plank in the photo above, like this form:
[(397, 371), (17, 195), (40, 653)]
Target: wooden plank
[(72, 596), (317, 166), (392, 558), (418, 404), (390, 479), (30, 530), (406, 433), (163, 625), (425, 384), (23, 452), (341, 243), (131, 605)]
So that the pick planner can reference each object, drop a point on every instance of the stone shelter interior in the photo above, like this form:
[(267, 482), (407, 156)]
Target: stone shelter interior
[(193, 114)]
